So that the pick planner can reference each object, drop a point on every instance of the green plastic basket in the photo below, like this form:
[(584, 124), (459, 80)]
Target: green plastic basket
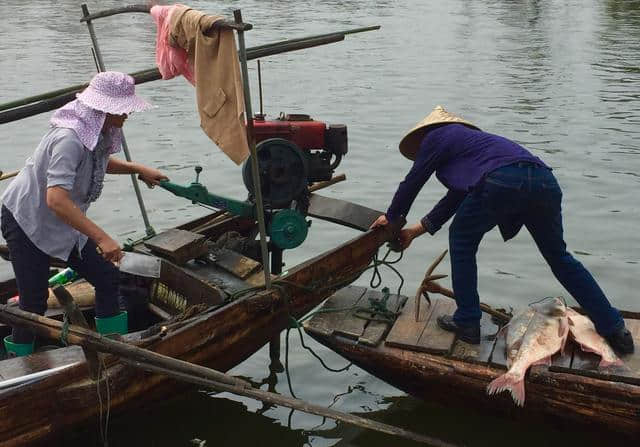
[(19, 349), (117, 324)]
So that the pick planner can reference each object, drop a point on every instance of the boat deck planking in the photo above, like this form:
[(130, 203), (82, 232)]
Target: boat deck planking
[(424, 335)]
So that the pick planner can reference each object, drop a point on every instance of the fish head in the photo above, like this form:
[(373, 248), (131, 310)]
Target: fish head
[(551, 307)]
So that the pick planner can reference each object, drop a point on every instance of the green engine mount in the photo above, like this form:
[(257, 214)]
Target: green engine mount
[(287, 227)]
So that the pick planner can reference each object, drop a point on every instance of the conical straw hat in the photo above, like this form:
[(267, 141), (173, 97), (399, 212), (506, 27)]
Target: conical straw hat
[(411, 141)]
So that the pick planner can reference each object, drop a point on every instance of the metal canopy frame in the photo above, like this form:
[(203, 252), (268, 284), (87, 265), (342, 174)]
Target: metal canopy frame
[(240, 28)]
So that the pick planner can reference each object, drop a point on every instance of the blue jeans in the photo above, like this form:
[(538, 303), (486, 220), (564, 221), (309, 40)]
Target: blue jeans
[(527, 193), (31, 267)]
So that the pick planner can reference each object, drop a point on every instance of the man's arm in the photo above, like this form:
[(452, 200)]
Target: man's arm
[(59, 201), (442, 212), (422, 169)]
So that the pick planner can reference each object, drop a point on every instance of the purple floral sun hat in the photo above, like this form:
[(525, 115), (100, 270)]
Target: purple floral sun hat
[(113, 92)]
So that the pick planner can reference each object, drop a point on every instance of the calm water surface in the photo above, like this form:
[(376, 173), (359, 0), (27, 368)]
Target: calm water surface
[(560, 77)]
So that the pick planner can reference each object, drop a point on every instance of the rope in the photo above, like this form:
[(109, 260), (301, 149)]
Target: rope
[(376, 307), (64, 332), (103, 427)]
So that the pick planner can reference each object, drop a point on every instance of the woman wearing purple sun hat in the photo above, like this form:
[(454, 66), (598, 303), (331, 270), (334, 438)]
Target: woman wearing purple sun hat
[(44, 208)]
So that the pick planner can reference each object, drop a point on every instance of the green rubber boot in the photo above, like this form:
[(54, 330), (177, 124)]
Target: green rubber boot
[(118, 324), (17, 349)]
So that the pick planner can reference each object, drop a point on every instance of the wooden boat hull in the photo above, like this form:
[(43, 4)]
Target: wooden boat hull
[(220, 339), (555, 398)]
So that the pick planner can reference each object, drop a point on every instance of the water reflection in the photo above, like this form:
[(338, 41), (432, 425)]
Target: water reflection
[(560, 77)]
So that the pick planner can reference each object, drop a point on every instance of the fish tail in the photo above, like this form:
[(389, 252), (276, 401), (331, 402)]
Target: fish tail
[(509, 382)]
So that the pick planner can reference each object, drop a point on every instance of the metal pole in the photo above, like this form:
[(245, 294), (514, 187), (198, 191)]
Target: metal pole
[(237, 14), (127, 155)]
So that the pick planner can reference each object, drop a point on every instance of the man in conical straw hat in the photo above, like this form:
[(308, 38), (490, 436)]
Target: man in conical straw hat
[(491, 181), (44, 208)]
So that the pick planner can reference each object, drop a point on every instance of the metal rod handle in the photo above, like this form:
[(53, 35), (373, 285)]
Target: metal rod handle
[(237, 14), (100, 62)]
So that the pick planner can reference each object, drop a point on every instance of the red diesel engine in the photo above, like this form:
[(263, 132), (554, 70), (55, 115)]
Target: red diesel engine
[(322, 145)]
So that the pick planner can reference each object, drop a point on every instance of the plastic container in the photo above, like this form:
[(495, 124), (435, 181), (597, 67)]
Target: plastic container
[(63, 277)]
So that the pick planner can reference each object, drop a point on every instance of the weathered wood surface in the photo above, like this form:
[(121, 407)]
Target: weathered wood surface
[(344, 323), (221, 339), (376, 330), (434, 339), (241, 266), (77, 317), (177, 245), (406, 331), (587, 363), (352, 326), (572, 400), (335, 310), (342, 212), (39, 361), (478, 353)]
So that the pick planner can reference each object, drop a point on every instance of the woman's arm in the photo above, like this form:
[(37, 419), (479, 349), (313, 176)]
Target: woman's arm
[(150, 176), (59, 201)]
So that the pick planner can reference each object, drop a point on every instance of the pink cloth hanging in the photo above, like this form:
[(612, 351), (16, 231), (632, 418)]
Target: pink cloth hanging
[(171, 61)]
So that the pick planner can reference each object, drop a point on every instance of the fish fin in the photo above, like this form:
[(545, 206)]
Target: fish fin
[(508, 382), (605, 364), (544, 362), (563, 332)]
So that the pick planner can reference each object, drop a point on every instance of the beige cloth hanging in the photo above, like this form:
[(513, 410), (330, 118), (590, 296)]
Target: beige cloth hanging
[(218, 77)]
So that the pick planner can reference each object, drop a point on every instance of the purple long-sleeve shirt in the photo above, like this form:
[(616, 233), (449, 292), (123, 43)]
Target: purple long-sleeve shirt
[(461, 157)]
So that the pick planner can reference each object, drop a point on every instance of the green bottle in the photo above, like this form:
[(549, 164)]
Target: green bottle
[(63, 277)]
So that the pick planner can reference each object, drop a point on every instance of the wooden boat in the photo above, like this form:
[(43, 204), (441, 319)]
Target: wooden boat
[(203, 326), (429, 363)]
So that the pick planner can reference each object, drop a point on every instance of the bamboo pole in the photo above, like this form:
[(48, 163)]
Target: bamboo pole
[(45, 102), (289, 402), (76, 335), (72, 310), (142, 76), (335, 179), (188, 372), (8, 175), (255, 174)]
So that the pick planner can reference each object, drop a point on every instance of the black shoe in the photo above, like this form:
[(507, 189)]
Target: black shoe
[(621, 341), (469, 334)]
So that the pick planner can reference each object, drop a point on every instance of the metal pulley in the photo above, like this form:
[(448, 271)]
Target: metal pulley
[(283, 169), (288, 229)]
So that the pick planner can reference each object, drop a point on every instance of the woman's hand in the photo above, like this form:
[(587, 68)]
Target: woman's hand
[(110, 249), (150, 176), (379, 222)]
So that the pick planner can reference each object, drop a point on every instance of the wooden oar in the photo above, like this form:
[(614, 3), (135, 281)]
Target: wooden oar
[(188, 372)]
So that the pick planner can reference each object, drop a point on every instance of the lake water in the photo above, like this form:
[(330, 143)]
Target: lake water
[(560, 77)]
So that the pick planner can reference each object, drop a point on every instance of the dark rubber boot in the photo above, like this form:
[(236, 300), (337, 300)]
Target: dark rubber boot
[(621, 341), (469, 334)]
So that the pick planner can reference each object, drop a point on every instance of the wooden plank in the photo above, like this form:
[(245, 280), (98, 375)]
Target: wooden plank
[(375, 330), (633, 360), (478, 353), (351, 326), (563, 360), (177, 245), (406, 331), (434, 339), (342, 212), (499, 354), (233, 262), (40, 361), (326, 320)]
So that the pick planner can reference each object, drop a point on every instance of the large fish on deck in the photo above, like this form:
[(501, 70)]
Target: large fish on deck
[(584, 333), (532, 338)]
